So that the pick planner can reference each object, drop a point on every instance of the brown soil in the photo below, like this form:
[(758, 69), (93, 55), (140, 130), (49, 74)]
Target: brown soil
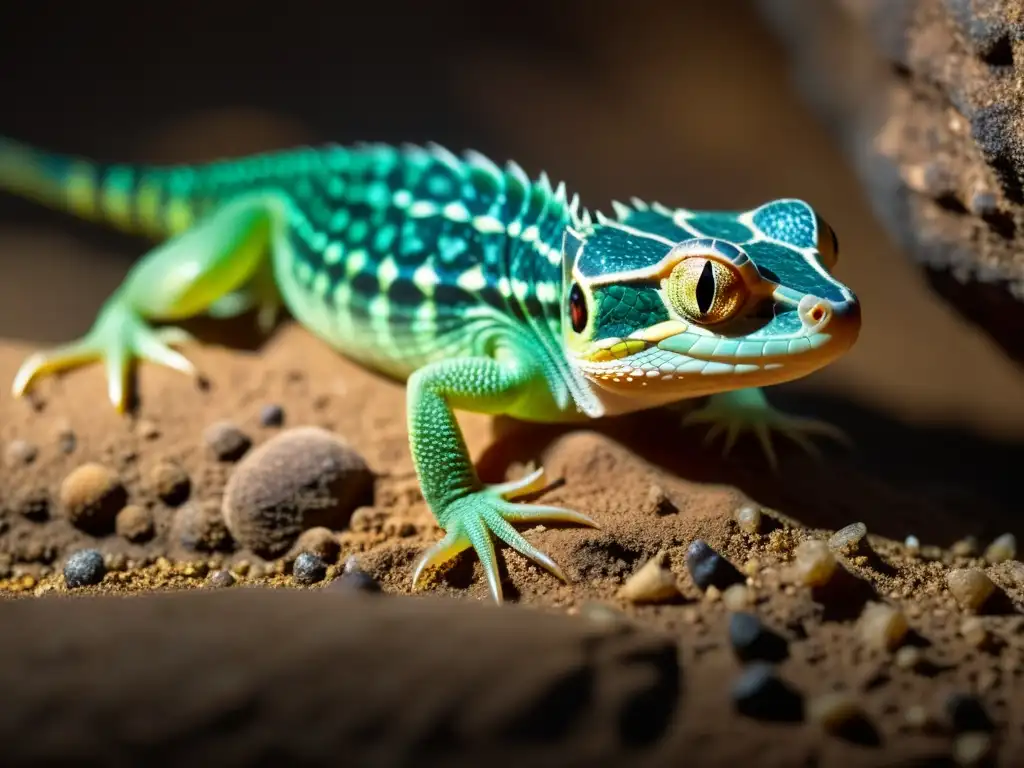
[(608, 474)]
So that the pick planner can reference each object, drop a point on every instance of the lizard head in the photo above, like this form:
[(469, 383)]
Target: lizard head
[(660, 305)]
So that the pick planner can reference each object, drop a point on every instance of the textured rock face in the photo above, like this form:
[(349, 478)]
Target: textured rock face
[(927, 98)]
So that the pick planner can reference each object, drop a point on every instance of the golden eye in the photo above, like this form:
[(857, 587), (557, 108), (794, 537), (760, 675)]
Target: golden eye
[(705, 290), (828, 244)]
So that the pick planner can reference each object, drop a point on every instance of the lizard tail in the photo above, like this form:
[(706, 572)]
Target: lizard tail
[(130, 198)]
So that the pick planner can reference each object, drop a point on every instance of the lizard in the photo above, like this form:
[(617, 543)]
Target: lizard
[(481, 288)]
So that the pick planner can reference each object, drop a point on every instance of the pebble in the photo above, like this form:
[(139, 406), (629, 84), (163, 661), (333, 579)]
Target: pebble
[(748, 518), (847, 540), (708, 568), (974, 632), (147, 430), (737, 597), (913, 545), (19, 453), (1002, 549), (834, 711), (758, 692), (271, 415), (882, 626), (972, 749), (226, 441), (220, 579), (653, 582), (308, 568), (751, 640), (84, 568), (916, 716), (965, 547), (198, 526), (908, 657), (134, 523), (604, 615), (170, 482), (353, 577), (658, 500), (321, 542), (814, 563), (301, 478), (967, 714), (91, 496), (971, 587)]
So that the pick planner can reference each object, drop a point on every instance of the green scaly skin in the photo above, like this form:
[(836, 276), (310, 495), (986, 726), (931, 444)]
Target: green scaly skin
[(483, 289)]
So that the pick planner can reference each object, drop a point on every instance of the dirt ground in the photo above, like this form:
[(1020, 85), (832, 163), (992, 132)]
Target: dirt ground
[(609, 474), (268, 671)]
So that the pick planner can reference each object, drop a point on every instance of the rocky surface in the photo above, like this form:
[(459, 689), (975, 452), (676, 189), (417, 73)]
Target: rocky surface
[(926, 96)]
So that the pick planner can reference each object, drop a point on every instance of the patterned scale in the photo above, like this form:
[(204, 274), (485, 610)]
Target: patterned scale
[(390, 250)]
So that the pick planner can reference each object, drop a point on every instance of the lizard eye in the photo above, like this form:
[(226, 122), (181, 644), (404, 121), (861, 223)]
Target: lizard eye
[(828, 244), (577, 308), (707, 291)]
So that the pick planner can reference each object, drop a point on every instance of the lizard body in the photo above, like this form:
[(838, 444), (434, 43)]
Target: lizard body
[(482, 288)]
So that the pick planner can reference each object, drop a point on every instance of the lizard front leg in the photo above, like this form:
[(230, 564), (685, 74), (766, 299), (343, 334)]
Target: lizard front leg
[(178, 279), (469, 511), (749, 410)]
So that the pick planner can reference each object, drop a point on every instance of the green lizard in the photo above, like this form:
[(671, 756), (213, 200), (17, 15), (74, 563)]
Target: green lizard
[(483, 289)]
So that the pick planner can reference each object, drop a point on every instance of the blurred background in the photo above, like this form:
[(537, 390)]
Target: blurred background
[(683, 102)]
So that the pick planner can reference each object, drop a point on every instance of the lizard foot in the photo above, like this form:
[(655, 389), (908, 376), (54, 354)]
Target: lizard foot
[(117, 338), (749, 410), (471, 520)]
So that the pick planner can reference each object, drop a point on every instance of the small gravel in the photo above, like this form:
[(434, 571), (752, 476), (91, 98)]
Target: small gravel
[(321, 542), (271, 415), (653, 582), (974, 632), (971, 587), (814, 564), (882, 626), (834, 711), (91, 496), (33, 504), (972, 749), (708, 568), (1002, 549), (170, 482), (751, 640), (758, 692), (135, 524), (226, 441), (220, 579), (659, 501), (199, 527), (748, 518), (67, 440), (84, 568), (354, 578), (847, 540), (308, 569), (737, 597), (965, 547)]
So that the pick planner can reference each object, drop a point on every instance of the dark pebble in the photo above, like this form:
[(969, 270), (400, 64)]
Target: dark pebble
[(226, 440), (221, 579), (752, 641), (308, 568), (761, 694), (272, 415), (355, 578), (708, 568), (84, 568), (967, 713)]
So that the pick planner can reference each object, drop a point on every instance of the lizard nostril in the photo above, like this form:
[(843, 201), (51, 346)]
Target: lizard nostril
[(815, 311)]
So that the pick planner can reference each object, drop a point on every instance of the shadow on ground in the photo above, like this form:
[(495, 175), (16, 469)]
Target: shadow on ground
[(938, 483)]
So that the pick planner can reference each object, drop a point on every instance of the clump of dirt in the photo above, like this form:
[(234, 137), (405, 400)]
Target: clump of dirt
[(844, 631)]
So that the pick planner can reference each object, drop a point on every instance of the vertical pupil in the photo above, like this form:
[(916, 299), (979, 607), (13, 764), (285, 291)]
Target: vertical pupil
[(577, 309), (706, 288)]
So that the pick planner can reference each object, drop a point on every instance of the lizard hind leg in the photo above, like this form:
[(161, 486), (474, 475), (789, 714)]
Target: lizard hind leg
[(178, 279)]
